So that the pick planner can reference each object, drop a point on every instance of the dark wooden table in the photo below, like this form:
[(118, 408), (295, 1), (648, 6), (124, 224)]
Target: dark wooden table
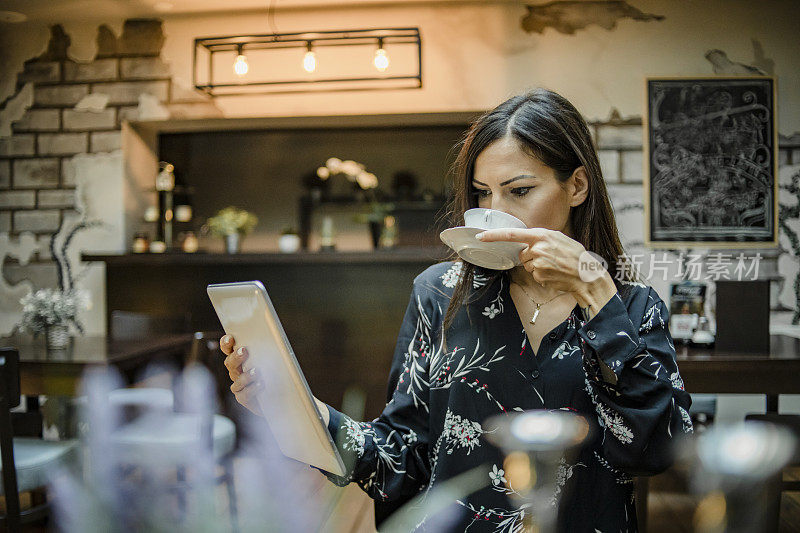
[(58, 372), (773, 374)]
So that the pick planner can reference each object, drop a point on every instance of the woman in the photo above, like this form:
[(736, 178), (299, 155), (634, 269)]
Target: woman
[(549, 334)]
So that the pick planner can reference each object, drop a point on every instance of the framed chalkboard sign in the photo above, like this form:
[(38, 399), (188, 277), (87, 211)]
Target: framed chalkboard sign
[(711, 162)]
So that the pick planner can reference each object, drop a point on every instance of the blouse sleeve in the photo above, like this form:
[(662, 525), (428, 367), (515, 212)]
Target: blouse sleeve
[(388, 457), (633, 381)]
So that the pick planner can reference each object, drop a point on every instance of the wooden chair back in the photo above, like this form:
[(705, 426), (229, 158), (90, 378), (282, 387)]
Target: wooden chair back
[(9, 398)]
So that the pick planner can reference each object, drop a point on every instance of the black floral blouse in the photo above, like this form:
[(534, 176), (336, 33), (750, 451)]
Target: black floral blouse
[(431, 428)]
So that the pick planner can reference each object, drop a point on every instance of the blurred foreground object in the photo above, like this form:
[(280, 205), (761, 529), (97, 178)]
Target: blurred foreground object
[(537, 444), (731, 467)]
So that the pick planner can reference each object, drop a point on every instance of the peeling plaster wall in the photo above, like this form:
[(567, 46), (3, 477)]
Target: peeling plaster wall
[(476, 55), (61, 162)]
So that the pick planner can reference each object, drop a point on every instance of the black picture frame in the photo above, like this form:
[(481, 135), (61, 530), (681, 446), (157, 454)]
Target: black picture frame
[(711, 165)]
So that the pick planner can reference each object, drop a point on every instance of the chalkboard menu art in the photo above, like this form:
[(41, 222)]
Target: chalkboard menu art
[(711, 162)]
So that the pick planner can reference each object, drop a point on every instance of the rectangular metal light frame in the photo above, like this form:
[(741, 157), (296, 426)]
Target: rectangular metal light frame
[(227, 44)]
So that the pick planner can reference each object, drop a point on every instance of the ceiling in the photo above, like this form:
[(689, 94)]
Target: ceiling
[(70, 10)]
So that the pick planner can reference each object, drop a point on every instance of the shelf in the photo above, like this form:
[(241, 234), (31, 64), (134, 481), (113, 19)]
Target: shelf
[(430, 254)]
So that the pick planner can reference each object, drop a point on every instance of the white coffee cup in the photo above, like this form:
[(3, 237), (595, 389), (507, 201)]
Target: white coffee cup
[(483, 218)]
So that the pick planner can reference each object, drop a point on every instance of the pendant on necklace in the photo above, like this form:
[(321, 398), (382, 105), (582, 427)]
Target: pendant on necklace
[(535, 314)]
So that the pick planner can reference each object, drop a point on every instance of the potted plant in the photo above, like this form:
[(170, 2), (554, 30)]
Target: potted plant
[(232, 224), (289, 241), (52, 311), (366, 185)]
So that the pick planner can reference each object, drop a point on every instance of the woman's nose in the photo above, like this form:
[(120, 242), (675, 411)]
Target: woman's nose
[(498, 204)]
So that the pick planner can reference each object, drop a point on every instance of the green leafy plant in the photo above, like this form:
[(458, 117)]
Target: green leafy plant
[(231, 220)]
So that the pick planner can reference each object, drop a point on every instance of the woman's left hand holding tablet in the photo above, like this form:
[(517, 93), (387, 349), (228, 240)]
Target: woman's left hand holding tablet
[(245, 384)]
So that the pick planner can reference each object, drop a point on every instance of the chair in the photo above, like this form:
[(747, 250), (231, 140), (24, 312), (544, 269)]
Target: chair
[(777, 486), (137, 439), (27, 463), (130, 325)]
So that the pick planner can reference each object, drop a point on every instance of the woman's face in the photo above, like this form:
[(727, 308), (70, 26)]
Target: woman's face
[(509, 180)]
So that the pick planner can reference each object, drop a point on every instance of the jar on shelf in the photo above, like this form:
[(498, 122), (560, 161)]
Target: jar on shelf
[(190, 242), (141, 243)]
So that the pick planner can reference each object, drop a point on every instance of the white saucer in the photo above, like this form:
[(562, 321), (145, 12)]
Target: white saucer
[(498, 255)]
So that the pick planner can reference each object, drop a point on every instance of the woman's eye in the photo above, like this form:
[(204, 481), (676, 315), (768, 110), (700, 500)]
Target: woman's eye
[(482, 193), (520, 191)]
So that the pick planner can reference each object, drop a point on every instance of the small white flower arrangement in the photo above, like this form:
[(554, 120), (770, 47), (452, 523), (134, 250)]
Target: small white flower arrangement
[(46, 308), (354, 172)]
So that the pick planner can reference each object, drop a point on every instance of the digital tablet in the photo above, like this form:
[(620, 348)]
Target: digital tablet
[(246, 312)]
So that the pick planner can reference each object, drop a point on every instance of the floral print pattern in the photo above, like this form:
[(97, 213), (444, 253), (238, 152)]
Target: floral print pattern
[(611, 369)]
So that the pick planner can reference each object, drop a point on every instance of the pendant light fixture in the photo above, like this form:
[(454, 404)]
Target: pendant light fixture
[(240, 66), (341, 60), (381, 60), (310, 59)]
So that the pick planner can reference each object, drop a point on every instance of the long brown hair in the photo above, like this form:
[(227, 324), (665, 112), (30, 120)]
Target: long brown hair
[(548, 127)]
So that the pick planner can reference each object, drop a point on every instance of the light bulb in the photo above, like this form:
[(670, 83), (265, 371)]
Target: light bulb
[(240, 66), (381, 60), (310, 61)]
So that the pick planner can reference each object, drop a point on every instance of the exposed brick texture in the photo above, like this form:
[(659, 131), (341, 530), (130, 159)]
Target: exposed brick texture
[(35, 173), (609, 164), (89, 120), (37, 221), (121, 93), (612, 136), (5, 173), (62, 143), (64, 198), (39, 120), (143, 68), (59, 95), (24, 199), (105, 141), (17, 145), (98, 70), (41, 72), (632, 171)]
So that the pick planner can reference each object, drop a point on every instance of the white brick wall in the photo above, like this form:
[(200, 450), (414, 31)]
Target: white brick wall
[(609, 164), (143, 67), (632, 171), (59, 95), (62, 143), (34, 173), (105, 141), (127, 113), (41, 71), (5, 221), (22, 199), (610, 136), (37, 221), (60, 198), (39, 120), (98, 70), (5, 173), (89, 120), (17, 145), (128, 92)]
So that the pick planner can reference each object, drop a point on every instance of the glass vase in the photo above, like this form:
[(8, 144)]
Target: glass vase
[(232, 243)]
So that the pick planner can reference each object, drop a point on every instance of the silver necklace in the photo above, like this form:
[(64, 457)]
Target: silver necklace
[(538, 305)]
